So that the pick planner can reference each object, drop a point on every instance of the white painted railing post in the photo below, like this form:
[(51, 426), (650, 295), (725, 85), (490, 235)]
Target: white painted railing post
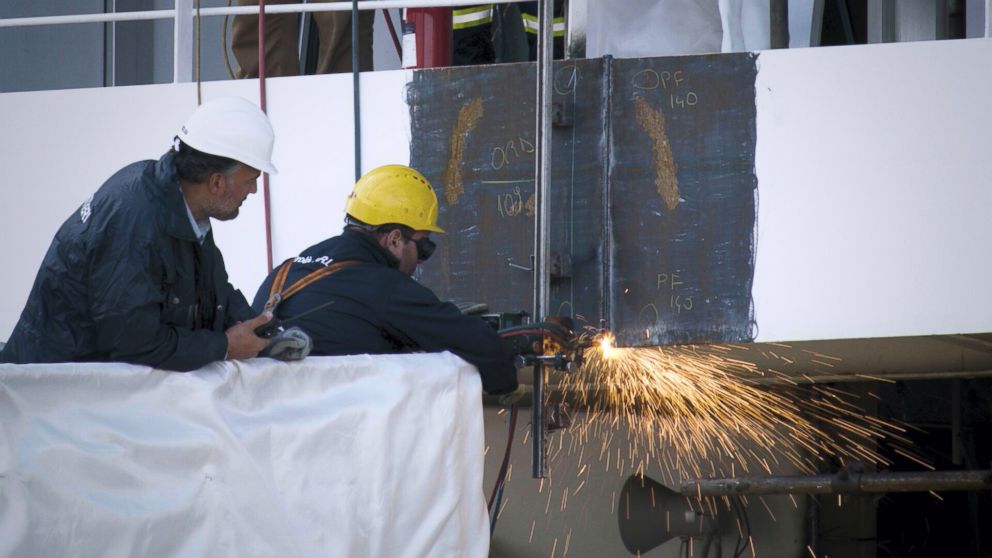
[(182, 61), (575, 23), (988, 18)]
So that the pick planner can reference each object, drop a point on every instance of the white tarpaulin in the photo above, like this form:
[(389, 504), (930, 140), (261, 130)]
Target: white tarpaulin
[(333, 456)]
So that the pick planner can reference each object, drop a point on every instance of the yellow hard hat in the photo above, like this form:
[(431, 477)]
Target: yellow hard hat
[(394, 194)]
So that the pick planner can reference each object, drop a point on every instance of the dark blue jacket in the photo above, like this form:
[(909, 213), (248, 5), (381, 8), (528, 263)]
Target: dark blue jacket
[(377, 309), (126, 280)]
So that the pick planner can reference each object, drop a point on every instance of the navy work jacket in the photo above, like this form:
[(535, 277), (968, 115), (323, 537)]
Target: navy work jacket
[(126, 280), (378, 310)]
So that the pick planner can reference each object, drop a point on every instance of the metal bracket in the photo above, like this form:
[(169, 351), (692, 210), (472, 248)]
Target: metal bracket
[(509, 262), (561, 266)]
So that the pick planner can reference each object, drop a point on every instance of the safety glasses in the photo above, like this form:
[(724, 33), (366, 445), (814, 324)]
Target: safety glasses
[(425, 247)]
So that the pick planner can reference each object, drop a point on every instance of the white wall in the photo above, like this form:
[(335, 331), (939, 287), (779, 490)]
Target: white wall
[(874, 193), (872, 163)]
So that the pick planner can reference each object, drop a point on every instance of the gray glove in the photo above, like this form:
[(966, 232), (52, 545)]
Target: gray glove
[(513, 397), (292, 344)]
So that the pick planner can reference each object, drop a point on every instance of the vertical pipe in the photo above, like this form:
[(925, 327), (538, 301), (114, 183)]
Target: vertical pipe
[(607, 283), (266, 198), (199, 92), (357, 117), (957, 455), (543, 160), (109, 46), (539, 469), (542, 182), (779, 23), (813, 514)]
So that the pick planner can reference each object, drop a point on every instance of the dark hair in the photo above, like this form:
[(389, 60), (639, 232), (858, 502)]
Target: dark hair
[(195, 166), (425, 246), (377, 230)]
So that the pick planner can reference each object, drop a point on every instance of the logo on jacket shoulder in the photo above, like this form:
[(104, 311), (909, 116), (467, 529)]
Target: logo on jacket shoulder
[(86, 210), (323, 260)]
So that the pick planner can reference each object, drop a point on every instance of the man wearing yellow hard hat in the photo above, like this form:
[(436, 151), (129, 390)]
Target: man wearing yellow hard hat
[(361, 283)]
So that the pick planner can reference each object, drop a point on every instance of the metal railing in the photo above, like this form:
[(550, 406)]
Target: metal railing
[(185, 15)]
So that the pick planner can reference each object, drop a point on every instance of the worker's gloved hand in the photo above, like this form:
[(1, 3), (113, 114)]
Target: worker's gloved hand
[(513, 397), (292, 344)]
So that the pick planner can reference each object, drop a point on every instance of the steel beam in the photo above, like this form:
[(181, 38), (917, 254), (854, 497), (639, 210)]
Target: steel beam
[(850, 483)]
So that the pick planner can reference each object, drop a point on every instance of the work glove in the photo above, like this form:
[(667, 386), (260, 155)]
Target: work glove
[(292, 344), (507, 399)]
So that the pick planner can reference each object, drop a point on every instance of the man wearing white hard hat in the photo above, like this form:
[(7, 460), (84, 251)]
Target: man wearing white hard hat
[(134, 275)]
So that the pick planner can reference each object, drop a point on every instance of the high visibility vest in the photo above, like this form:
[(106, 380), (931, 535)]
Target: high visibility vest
[(471, 16), (482, 14), (531, 25)]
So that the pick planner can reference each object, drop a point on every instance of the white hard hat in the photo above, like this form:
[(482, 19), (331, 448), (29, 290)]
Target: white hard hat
[(231, 127)]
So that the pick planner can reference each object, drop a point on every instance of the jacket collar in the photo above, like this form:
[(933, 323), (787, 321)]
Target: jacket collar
[(177, 222), (368, 245)]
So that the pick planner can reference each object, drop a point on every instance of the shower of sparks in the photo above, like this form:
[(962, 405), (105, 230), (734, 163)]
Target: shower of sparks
[(698, 413), (692, 412)]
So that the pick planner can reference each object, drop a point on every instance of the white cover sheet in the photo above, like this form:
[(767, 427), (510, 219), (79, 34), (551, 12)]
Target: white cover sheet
[(377, 456)]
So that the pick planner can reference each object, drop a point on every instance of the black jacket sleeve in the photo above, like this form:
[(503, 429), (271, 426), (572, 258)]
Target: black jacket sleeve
[(415, 316), (236, 307), (126, 301)]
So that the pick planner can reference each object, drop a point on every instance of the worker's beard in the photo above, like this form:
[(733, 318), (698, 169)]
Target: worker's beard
[(226, 211), (408, 268), (229, 215)]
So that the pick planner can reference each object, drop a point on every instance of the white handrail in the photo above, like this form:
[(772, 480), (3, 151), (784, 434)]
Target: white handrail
[(87, 18)]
